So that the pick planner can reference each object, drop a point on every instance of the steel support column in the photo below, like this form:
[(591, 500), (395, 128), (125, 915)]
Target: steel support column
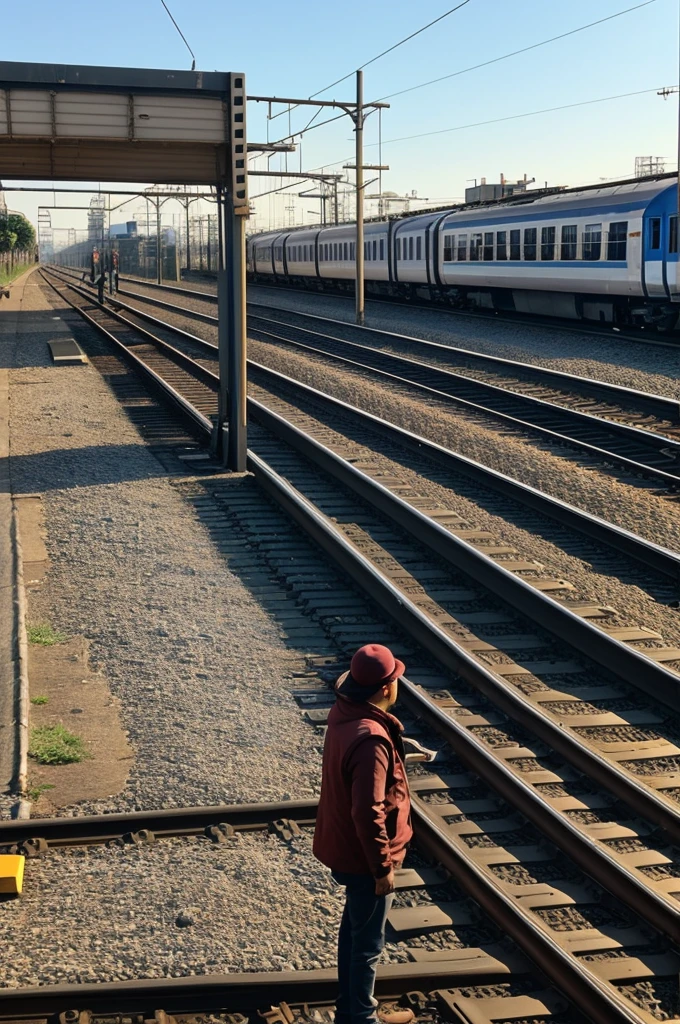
[(235, 235), (231, 335), (359, 264), (159, 245), (218, 445)]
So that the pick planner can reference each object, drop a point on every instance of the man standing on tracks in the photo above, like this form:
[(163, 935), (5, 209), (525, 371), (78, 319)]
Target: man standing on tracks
[(363, 824)]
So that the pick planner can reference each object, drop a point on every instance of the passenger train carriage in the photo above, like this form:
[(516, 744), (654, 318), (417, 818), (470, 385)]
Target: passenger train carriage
[(599, 253)]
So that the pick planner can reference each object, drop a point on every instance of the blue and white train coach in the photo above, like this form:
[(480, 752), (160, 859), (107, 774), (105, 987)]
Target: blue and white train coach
[(601, 253)]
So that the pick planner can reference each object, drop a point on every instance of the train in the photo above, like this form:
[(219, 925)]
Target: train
[(605, 253)]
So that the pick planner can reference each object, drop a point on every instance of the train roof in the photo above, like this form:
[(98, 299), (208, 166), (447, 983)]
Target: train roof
[(539, 201)]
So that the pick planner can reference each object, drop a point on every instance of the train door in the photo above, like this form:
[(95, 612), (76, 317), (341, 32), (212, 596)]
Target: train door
[(653, 250), (671, 262)]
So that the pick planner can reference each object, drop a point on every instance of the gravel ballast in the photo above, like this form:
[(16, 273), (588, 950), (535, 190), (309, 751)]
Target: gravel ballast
[(646, 367), (608, 357), (180, 907), (202, 671)]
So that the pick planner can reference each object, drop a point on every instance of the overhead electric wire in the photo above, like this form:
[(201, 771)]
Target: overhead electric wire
[(475, 67), (512, 117), (193, 62), (395, 46), (515, 53)]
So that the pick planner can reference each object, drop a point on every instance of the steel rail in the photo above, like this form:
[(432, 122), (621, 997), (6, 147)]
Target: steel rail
[(570, 976), (534, 940), (644, 438), (659, 405), (537, 322), (595, 998), (655, 442), (245, 992), (593, 858), (196, 418), (651, 555), (613, 655), (642, 799), (173, 821)]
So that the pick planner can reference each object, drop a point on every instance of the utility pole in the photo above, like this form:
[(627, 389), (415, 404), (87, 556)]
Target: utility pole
[(359, 256), (159, 246)]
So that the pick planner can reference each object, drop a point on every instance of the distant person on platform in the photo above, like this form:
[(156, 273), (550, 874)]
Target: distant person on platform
[(363, 824)]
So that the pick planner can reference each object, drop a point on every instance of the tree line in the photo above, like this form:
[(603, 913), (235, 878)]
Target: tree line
[(16, 233)]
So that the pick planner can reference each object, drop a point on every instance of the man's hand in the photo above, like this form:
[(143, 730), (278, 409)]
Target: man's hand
[(385, 885)]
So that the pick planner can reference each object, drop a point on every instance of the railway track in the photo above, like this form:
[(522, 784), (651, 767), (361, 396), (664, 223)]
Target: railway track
[(603, 423), (641, 336), (551, 754)]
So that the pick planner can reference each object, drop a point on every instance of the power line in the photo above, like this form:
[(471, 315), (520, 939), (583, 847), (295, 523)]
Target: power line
[(401, 42), (484, 64), (193, 63), (515, 53), (512, 117), (393, 47)]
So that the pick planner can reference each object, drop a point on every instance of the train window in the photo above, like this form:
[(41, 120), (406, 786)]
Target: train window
[(352, 249), (501, 245), (592, 241), (569, 242), (515, 248), (462, 248), (475, 245), (382, 248), (672, 234), (616, 243), (335, 252), (448, 248), (346, 250), (488, 246), (410, 248), (655, 232), (530, 243), (548, 243), (419, 247), (375, 248)]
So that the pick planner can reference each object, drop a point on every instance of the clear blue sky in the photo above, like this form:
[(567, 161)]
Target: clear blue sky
[(297, 49)]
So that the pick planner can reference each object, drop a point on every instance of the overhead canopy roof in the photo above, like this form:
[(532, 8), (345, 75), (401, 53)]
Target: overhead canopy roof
[(72, 123)]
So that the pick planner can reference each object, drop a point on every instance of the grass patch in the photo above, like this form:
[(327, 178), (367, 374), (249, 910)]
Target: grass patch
[(43, 634), (39, 700), (34, 790), (54, 744), (7, 275)]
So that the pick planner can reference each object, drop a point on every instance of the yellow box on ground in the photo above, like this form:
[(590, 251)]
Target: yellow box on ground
[(11, 873)]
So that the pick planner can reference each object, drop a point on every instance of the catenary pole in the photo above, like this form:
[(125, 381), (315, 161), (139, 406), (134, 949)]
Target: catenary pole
[(359, 256)]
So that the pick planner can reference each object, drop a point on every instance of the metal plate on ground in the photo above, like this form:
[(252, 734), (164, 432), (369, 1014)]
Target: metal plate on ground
[(433, 916), (66, 350)]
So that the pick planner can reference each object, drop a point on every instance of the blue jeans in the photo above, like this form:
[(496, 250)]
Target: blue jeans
[(360, 943)]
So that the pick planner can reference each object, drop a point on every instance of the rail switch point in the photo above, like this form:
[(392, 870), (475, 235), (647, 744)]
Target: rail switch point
[(11, 873)]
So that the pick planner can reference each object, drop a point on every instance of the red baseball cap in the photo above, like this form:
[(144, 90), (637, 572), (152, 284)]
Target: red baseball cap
[(371, 667)]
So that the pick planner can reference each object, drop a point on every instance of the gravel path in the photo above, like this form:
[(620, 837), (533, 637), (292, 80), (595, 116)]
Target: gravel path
[(202, 670), (254, 904)]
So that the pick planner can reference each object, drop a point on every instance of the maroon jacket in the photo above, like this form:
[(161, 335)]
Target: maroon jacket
[(363, 824)]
